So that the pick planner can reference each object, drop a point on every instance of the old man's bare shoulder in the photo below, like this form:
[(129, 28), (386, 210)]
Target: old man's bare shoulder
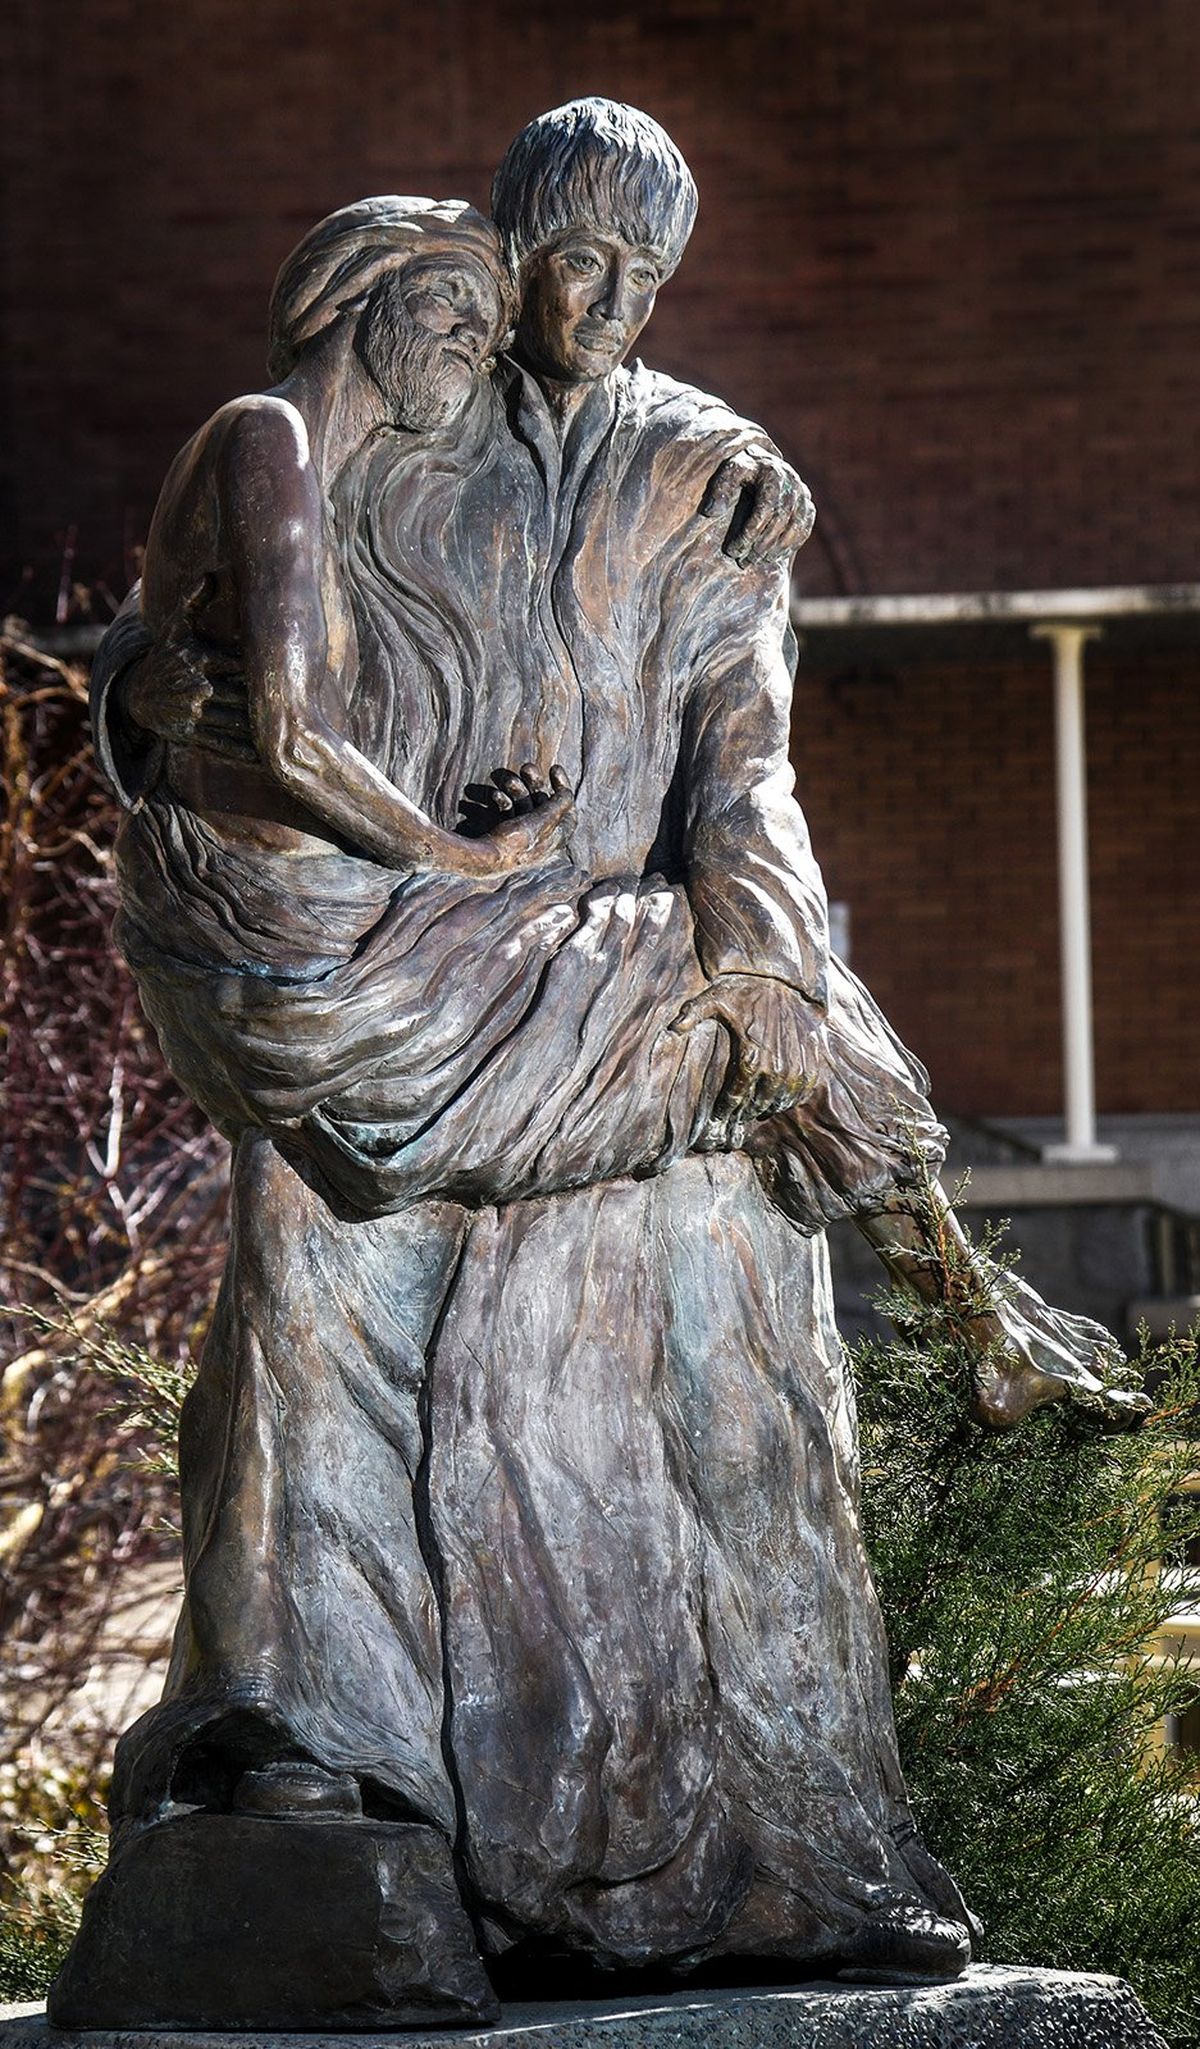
[(245, 479)]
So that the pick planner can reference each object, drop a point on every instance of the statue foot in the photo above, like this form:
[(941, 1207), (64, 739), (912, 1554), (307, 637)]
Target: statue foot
[(1030, 1354), (1007, 1389), (292, 1786), (905, 1946)]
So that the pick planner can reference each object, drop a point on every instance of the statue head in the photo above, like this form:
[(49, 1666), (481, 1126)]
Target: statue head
[(594, 204), (427, 287)]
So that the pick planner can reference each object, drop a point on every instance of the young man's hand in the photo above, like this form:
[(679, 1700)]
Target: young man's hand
[(512, 793), (766, 509), (777, 1045), (190, 693)]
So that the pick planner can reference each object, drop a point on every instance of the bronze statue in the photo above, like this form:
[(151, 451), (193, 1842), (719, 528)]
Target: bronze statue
[(466, 890)]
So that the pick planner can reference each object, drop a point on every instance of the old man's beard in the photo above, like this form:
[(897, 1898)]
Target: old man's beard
[(423, 376)]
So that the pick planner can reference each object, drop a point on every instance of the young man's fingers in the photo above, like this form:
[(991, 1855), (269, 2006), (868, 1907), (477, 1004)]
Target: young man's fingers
[(697, 1010), (510, 785), (209, 662), (764, 516), (192, 689), (227, 693), (803, 512), (219, 718), (714, 1004), (557, 807), (725, 487), (540, 793), (740, 1084), (773, 1101), (793, 521)]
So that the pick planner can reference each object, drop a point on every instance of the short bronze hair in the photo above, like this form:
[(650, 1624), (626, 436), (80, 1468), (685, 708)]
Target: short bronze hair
[(599, 162)]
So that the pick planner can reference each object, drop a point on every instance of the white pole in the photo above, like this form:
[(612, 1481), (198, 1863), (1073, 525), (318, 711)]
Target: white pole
[(1075, 942)]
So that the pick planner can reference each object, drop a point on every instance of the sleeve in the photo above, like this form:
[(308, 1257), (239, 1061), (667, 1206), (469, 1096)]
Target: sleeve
[(755, 888), (129, 759)]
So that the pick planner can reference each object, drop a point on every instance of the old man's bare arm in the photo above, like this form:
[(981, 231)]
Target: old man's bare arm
[(270, 513)]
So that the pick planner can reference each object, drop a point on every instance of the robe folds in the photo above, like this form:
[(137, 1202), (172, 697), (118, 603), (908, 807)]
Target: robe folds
[(520, 1474)]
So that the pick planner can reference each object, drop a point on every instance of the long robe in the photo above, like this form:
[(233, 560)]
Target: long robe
[(520, 1473)]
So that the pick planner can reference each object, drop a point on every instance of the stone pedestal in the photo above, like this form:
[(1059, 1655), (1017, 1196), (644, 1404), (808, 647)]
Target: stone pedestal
[(990, 2008), (243, 1922)]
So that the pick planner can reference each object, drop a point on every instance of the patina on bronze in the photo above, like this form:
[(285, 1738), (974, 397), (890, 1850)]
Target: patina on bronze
[(465, 887)]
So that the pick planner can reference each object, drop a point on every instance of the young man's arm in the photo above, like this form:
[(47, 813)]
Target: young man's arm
[(128, 754), (754, 886)]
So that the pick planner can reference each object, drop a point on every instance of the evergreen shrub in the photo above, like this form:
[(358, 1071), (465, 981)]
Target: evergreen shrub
[(1027, 1579)]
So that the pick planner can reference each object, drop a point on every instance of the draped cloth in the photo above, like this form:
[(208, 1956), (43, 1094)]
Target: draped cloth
[(520, 1473)]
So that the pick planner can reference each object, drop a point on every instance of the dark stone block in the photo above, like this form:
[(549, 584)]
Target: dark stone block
[(242, 1921)]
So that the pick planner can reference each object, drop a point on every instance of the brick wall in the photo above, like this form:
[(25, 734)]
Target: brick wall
[(931, 801), (949, 254)]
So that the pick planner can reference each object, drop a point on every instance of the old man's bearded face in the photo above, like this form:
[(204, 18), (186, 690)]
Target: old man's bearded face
[(427, 332)]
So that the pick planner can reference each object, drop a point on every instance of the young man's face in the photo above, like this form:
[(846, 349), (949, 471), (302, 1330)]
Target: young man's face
[(427, 333), (588, 296)]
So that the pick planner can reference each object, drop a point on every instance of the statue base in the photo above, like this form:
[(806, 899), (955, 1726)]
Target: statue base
[(246, 1922), (991, 2007)]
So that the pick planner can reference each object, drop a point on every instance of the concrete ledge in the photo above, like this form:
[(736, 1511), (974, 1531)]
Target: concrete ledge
[(990, 2008), (1163, 1314), (1053, 1186), (926, 608)]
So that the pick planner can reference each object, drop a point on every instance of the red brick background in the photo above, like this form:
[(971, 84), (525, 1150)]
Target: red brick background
[(932, 807), (949, 254)]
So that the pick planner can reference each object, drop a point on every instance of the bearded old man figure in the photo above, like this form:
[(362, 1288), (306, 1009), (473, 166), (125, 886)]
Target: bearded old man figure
[(520, 1482)]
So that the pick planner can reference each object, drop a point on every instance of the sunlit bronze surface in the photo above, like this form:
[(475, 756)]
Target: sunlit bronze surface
[(465, 887)]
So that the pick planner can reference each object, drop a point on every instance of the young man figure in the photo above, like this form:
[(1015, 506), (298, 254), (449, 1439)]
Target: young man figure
[(595, 205)]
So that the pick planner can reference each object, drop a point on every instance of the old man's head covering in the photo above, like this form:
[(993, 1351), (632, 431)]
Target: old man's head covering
[(344, 255)]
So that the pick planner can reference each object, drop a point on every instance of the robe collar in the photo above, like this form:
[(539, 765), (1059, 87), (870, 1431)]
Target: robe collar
[(564, 457)]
